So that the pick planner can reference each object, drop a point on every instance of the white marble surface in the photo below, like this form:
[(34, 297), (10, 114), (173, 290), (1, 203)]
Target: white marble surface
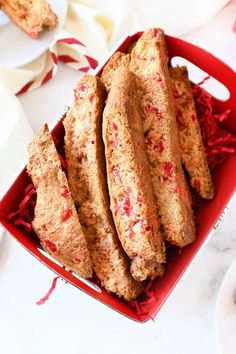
[(71, 322)]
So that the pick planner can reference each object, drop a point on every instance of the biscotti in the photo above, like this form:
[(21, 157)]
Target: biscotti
[(132, 199), (191, 145), (87, 180), (149, 64), (56, 221), (118, 60), (32, 16)]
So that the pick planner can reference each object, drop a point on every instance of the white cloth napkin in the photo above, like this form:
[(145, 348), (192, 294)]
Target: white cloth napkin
[(99, 24), (16, 133)]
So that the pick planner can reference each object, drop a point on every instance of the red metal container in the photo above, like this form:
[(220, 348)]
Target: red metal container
[(224, 179)]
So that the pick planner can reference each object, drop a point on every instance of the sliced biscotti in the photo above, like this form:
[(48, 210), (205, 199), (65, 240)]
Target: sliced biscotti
[(191, 145), (32, 16), (132, 199), (56, 221), (149, 64), (87, 179), (118, 60)]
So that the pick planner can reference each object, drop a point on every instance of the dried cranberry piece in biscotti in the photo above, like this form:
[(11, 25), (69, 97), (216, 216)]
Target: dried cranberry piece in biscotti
[(51, 245), (116, 173), (168, 169), (66, 214), (65, 192), (159, 146)]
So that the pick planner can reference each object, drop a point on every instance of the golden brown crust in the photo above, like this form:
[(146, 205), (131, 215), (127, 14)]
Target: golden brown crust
[(56, 221), (86, 173), (149, 64), (118, 60), (32, 16), (132, 200), (191, 145)]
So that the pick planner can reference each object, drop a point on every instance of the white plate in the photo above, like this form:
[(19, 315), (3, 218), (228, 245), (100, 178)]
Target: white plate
[(226, 313), (17, 48)]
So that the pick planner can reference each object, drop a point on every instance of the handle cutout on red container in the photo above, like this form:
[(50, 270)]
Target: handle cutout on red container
[(196, 75), (85, 281), (41, 250), (88, 283)]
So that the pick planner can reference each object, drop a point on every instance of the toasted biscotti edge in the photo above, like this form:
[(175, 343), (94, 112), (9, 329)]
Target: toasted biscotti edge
[(117, 60), (149, 63), (110, 263), (117, 117), (55, 219), (191, 144)]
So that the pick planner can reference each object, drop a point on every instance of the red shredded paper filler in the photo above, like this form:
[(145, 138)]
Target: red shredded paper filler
[(24, 215), (50, 291), (218, 142)]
